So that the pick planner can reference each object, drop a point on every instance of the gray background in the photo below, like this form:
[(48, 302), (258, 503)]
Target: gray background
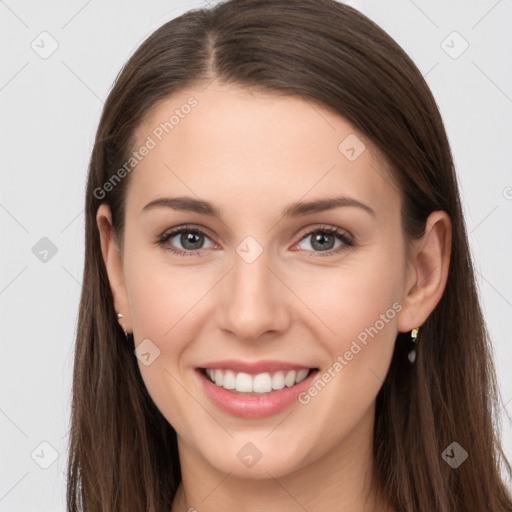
[(50, 109)]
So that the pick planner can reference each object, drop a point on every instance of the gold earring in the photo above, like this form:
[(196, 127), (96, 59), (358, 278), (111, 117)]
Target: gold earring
[(119, 316), (412, 354)]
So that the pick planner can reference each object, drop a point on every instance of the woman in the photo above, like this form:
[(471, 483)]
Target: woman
[(279, 309)]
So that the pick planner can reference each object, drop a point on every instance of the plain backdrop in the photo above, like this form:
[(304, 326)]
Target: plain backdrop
[(50, 108)]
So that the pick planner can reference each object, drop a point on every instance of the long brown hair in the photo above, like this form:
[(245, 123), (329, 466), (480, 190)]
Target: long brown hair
[(123, 453)]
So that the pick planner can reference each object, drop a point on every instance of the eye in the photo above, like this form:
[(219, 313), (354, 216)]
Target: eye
[(323, 240), (191, 239)]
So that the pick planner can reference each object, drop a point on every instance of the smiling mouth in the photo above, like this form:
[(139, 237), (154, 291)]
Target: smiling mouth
[(258, 384)]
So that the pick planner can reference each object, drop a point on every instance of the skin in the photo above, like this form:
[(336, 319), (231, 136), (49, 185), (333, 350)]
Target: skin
[(252, 154)]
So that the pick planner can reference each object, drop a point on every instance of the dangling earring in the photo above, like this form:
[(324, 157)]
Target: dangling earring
[(119, 316), (412, 354)]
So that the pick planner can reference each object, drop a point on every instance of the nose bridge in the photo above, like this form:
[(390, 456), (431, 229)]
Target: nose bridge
[(251, 279), (252, 296)]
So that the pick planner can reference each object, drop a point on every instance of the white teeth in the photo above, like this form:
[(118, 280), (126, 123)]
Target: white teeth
[(278, 380), (289, 380), (243, 382), (260, 383), (219, 377), (229, 380), (301, 375)]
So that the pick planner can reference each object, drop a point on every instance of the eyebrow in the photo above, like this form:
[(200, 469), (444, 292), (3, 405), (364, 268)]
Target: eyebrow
[(297, 209)]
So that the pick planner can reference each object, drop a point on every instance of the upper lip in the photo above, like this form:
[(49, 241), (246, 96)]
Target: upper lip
[(254, 367)]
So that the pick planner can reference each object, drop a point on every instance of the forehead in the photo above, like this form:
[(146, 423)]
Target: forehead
[(228, 143)]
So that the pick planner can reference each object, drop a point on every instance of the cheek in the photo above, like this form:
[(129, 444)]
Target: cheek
[(162, 298), (359, 308), (357, 297), (163, 303), (362, 312)]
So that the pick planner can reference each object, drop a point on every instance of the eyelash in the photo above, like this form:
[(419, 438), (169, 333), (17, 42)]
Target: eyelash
[(347, 241)]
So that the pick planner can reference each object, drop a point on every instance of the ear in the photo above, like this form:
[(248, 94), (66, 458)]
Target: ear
[(114, 265), (427, 272)]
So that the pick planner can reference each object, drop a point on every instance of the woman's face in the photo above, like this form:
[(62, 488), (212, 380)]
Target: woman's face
[(256, 291)]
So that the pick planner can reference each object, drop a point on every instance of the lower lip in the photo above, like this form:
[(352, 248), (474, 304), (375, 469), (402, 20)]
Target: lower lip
[(254, 406)]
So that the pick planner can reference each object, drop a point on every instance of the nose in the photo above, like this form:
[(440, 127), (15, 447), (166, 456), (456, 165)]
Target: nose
[(253, 300)]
